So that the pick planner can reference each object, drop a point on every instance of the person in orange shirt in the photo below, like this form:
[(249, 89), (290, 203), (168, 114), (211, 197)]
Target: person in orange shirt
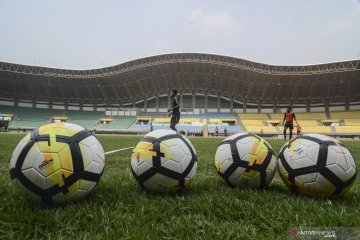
[(288, 120), (298, 129)]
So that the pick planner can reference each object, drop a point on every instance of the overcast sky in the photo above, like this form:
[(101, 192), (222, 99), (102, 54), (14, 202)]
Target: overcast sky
[(85, 34)]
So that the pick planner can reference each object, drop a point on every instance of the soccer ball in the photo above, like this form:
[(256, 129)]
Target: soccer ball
[(245, 160), (164, 161), (57, 163), (316, 165)]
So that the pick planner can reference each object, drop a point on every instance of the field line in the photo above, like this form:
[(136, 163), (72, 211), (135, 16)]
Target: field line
[(118, 150)]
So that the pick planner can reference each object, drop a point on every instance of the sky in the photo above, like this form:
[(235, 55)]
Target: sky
[(88, 34)]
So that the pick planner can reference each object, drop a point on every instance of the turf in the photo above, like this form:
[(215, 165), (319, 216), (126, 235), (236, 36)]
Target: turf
[(118, 209)]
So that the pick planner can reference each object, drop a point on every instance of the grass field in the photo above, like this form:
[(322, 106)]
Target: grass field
[(118, 209)]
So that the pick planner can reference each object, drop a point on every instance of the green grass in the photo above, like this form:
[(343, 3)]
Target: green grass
[(118, 209)]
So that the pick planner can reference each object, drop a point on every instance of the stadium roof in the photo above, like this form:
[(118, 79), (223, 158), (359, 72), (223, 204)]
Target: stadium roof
[(223, 76)]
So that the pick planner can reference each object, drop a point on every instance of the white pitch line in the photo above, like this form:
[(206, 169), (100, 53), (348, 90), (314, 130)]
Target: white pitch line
[(119, 150)]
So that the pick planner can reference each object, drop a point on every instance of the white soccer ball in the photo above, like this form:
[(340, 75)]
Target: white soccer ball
[(164, 161), (316, 165), (245, 160), (57, 163)]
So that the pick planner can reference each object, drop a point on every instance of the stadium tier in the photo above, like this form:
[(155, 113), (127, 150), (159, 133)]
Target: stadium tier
[(262, 129), (308, 123), (253, 122), (88, 120), (220, 115), (311, 116), (253, 116), (348, 129), (346, 122), (345, 115), (117, 123), (318, 129), (30, 117), (352, 122), (277, 116), (301, 116), (25, 117), (259, 123)]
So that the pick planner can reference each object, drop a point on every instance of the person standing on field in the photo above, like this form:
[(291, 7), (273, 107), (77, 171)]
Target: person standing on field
[(288, 120), (174, 111)]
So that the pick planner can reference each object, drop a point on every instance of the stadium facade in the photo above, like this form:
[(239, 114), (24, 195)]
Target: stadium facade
[(207, 83)]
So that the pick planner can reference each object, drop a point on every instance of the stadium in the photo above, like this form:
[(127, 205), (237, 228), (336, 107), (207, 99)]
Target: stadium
[(216, 91), (122, 103), (179, 120)]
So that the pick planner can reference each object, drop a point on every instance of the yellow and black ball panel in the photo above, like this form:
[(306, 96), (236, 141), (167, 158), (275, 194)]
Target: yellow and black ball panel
[(57, 163), (245, 160), (60, 129), (314, 184), (163, 161), (316, 165)]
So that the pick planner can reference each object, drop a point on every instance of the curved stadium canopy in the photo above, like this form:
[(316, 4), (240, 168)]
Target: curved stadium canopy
[(191, 73)]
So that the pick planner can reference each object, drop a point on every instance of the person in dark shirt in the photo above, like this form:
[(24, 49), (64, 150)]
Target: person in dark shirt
[(174, 111)]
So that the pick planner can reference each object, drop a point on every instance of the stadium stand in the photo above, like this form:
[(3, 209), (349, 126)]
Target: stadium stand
[(277, 116), (311, 116), (220, 115), (222, 121), (345, 115), (88, 120), (118, 122), (348, 129), (253, 116), (264, 129), (29, 117), (25, 117), (191, 123), (258, 123), (318, 129), (308, 123), (352, 122), (348, 122), (206, 102), (253, 123)]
